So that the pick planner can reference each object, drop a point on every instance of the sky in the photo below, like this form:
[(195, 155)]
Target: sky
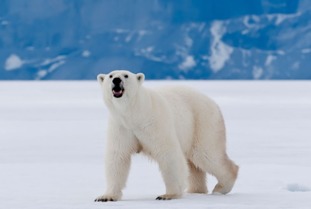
[(216, 40)]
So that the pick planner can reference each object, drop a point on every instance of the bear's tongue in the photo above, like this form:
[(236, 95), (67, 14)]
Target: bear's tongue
[(117, 92)]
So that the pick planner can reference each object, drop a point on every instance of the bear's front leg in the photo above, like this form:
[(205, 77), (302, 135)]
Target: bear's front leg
[(119, 148), (174, 171), (117, 169)]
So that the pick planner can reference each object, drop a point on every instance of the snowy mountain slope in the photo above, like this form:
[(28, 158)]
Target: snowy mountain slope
[(52, 140), (214, 39)]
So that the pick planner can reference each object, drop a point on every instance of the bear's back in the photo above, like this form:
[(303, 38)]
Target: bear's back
[(184, 95), (189, 108)]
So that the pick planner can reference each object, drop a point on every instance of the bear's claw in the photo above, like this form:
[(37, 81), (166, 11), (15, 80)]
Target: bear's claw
[(167, 197), (104, 199), (163, 198)]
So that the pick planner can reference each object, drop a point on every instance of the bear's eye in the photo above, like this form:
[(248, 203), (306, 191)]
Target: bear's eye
[(110, 76), (126, 76)]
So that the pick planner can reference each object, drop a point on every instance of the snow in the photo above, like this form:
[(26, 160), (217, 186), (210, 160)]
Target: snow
[(52, 140), (142, 32), (282, 17), (188, 63), (4, 22), (269, 60), (49, 65), (121, 30), (251, 21), (220, 52), (257, 72), (55, 65), (86, 53), (41, 74), (150, 54), (13, 62), (129, 37), (306, 51), (49, 61)]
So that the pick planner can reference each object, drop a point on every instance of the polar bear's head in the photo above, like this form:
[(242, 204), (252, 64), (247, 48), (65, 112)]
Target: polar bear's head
[(120, 85)]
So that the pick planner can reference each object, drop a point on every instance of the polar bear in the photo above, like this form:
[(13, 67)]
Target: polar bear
[(181, 129)]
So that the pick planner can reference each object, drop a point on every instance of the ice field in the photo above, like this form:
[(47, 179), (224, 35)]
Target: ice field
[(52, 138)]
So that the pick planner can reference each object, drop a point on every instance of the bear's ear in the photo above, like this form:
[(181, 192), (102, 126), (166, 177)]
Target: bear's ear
[(101, 78), (140, 77)]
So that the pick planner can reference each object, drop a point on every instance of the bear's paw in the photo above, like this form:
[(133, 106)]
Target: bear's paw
[(106, 198)]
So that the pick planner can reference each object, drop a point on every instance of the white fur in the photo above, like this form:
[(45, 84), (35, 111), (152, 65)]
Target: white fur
[(181, 129)]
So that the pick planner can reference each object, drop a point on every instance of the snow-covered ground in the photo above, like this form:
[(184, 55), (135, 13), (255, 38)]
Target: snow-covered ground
[(52, 137)]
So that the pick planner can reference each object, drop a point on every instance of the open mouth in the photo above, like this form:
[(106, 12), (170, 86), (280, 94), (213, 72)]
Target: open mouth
[(117, 91)]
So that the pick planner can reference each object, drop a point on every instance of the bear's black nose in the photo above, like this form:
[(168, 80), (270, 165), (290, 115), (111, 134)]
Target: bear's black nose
[(116, 81)]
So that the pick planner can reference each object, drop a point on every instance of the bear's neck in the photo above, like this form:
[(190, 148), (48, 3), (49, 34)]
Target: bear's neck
[(137, 105), (134, 112)]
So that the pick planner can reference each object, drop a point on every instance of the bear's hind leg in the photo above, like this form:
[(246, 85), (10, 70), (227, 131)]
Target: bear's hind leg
[(224, 169), (226, 173), (197, 179)]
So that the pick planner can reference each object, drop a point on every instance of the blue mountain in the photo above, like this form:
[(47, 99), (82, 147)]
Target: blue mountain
[(165, 39)]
